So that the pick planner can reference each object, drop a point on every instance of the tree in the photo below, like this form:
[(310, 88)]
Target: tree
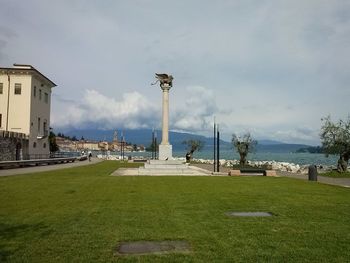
[(335, 138), (152, 147), (192, 146), (52, 142), (244, 145)]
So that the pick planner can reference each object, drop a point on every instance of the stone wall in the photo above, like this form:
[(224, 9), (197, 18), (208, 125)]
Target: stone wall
[(8, 149)]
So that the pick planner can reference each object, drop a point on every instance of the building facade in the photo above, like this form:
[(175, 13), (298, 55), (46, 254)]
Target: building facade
[(25, 102)]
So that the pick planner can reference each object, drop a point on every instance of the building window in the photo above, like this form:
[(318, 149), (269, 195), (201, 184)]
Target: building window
[(46, 97), (34, 144), (44, 145), (45, 128), (34, 91), (1, 88), (18, 88), (0, 120), (38, 125), (39, 94)]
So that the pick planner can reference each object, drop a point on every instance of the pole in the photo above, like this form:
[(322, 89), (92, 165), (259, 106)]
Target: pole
[(155, 145), (214, 145), (218, 150), (152, 145), (122, 146)]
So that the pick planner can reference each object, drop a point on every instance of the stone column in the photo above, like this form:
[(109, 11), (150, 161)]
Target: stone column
[(165, 148), (165, 119)]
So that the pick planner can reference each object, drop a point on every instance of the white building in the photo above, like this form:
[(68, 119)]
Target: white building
[(25, 99)]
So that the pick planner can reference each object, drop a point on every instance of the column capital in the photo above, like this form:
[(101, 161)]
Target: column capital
[(165, 86)]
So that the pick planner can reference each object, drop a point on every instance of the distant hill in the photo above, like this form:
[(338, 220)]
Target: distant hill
[(280, 148), (269, 142), (144, 137), (311, 149)]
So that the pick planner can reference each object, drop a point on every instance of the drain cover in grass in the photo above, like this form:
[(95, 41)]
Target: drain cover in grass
[(152, 247), (252, 214)]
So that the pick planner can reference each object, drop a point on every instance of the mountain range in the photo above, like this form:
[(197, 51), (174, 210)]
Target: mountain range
[(144, 137)]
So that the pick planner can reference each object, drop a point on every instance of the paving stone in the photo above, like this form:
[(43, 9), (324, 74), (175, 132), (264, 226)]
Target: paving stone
[(153, 247)]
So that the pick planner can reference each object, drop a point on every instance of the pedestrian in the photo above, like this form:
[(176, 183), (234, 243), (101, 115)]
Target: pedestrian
[(90, 155)]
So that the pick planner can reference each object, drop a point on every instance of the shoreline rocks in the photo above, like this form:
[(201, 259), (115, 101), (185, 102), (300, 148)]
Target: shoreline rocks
[(279, 166)]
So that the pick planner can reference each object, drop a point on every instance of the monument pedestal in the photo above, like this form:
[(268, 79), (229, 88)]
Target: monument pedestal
[(165, 152), (169, 167)]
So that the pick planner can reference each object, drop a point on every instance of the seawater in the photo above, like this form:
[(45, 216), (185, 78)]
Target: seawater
[(296, 158)]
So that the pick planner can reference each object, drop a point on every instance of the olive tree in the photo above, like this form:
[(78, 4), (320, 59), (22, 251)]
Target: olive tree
[(335, 138), (192, 146), (244, 144)]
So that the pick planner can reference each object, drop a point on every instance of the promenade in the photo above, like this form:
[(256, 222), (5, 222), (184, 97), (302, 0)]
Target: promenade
[(345, 182), (44, 168)]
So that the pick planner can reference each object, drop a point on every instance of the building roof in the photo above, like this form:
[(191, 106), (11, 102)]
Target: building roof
[(27, 68)]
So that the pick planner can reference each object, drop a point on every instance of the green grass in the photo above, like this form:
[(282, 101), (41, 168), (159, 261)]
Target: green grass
[(80, 215), (336, 174)]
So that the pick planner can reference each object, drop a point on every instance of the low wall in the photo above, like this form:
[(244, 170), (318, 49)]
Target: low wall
[(8, 145), (7, 149)]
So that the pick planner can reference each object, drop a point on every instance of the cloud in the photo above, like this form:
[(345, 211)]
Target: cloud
[(299, 134), (196, 115), (96, 110), (6, 34), (133, 110)]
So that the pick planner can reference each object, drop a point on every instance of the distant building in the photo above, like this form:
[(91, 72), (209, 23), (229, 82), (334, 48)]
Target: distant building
[(87, 145), (25, 100)]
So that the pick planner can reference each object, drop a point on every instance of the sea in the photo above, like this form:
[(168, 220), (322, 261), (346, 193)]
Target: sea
[(296, 158)]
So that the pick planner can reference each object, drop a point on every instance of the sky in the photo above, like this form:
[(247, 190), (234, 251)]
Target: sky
[(272, 68)]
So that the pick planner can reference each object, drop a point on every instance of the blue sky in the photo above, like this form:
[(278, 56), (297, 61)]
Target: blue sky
[(273, 68)]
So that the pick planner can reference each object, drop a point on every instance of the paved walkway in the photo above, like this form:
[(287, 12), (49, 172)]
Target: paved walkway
[(44, 168), (345, 182)]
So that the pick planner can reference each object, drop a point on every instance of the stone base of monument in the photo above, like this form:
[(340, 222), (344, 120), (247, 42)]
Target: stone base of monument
[(165, 152), (162, 167)]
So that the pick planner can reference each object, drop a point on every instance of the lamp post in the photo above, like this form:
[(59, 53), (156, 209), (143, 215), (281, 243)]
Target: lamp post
[(214, 145), (218, 150), (152, 145)]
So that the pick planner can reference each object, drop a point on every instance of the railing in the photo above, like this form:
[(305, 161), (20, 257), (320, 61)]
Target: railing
[(23, 163), (11, 134), (51, 155), (35, 156)]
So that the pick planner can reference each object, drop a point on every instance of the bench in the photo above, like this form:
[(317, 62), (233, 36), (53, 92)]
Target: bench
[(264, 172)]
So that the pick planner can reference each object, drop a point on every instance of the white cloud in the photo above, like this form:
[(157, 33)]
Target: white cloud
[(96, 110), (196, 115)]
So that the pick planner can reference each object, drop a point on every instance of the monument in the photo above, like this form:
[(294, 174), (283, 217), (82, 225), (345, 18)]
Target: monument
[(166, 165), (165, 148)]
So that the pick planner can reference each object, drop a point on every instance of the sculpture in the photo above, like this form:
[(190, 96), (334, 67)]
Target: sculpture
[(164, 79)]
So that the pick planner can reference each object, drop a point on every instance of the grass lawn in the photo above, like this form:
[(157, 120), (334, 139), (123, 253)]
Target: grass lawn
[(80, 215), (335, 174)]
